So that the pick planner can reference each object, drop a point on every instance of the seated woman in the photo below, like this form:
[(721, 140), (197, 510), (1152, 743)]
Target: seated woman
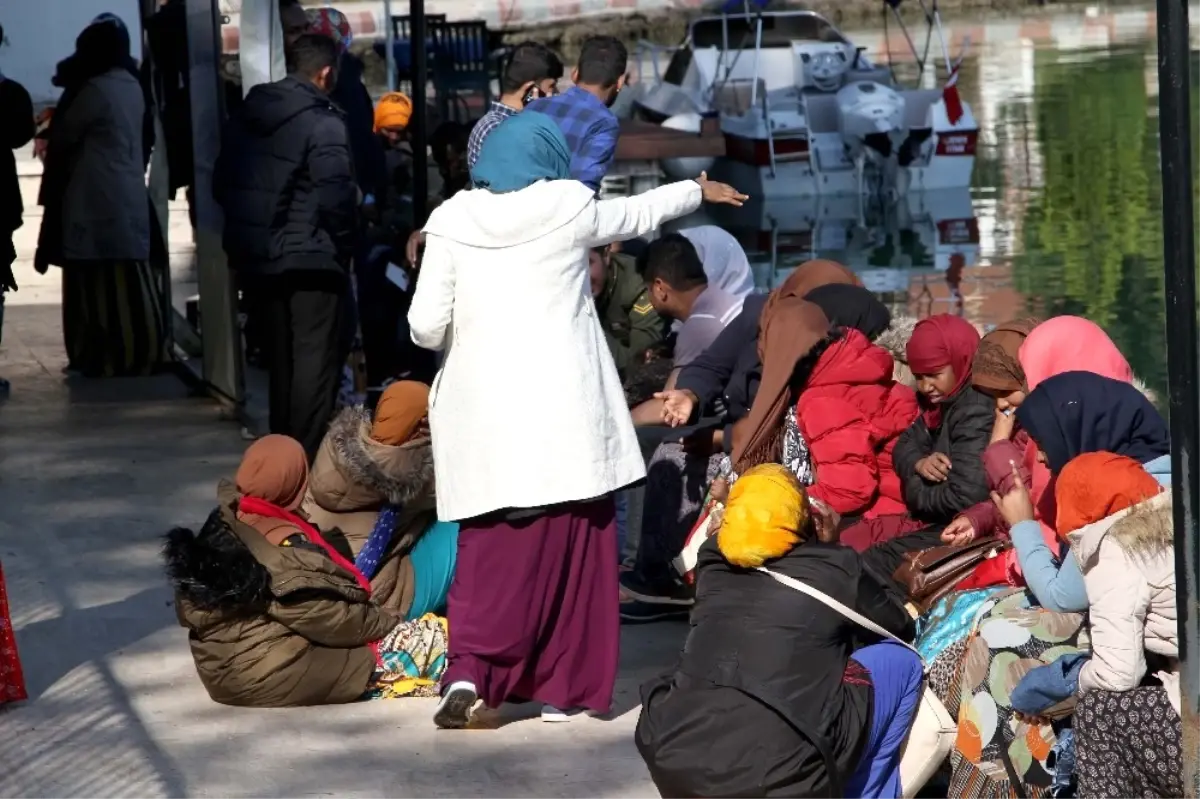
[(1127, 725), (775, 693), (373, 481), (1118, 518), (849, 413), (938, 458), (276, 615), (1066, 416)]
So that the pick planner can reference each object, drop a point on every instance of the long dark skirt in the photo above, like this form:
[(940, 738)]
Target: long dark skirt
[(533, 610), (1128, 744), (114, 323)]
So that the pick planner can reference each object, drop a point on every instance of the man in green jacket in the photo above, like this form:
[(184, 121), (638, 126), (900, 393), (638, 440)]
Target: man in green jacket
[(631, 325)]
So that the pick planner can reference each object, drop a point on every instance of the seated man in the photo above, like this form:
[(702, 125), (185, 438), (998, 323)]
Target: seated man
[(679, 289), (631, 325)]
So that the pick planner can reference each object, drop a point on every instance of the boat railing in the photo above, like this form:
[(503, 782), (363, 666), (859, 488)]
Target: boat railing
[(646, 49)]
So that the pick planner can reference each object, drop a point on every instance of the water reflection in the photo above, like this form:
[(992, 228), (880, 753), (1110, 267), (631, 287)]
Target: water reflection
[(1063, 215)]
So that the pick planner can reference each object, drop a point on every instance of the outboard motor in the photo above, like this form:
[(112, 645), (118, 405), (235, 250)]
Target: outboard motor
[(871, 115)]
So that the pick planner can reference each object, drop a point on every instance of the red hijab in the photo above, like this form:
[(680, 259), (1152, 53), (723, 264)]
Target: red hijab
[(937, 342)]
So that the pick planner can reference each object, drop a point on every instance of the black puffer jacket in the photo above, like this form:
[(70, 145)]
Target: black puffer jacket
[(285, 180), (963, 435), (759, 704)]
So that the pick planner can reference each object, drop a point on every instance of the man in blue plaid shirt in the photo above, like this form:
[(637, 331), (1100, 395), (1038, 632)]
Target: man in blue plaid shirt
[(582, 112), (532, 72)]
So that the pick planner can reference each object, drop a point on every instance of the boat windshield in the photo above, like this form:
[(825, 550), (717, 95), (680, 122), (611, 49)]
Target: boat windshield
[(779, 30)]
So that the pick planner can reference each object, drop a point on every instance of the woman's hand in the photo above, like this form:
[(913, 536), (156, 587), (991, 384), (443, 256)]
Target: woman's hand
[(720, 193), (719, 490), (1015, 506), (826, 521), (1003, 425), (678, 406), (413, 249), (958, 532), (935, 468)]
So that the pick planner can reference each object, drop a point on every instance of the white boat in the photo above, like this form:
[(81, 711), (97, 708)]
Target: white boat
[(806, 112), (921, 234)]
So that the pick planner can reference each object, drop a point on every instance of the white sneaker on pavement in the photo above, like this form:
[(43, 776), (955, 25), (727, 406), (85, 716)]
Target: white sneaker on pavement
[(555, 715), (454, 711)]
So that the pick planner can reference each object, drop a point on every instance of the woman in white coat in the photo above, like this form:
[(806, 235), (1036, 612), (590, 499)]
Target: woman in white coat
[(531, 434)]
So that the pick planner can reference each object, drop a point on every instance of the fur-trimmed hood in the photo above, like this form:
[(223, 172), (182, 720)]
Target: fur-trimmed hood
[(214, 570), (895, 341), (1145, 529), (354, 472)]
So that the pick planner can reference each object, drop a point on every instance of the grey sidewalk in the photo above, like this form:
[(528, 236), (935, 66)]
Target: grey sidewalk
[(91, 475)]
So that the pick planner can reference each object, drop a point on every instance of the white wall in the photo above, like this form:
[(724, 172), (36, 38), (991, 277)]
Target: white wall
[(42, 32)]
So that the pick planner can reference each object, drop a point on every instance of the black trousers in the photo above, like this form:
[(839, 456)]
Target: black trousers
[(302, 320)]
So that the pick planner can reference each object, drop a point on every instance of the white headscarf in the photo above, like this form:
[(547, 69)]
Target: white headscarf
[(724, 259)]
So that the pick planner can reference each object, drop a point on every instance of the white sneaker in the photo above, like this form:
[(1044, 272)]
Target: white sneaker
[(454, 711), (554, 715)]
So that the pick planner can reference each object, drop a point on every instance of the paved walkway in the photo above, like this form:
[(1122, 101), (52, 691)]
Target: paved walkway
[(91, 475)]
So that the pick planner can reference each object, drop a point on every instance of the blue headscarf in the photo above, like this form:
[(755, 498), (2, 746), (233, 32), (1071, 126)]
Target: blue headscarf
[(1078, 412), (523, 149)]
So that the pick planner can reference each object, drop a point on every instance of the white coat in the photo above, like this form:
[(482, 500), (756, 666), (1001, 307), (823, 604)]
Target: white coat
[(527, 409), (1128, 564)]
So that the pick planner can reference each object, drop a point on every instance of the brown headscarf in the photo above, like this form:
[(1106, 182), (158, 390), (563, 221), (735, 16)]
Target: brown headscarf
[(274, 469), (997, 365), (401, 409), (787, 330)]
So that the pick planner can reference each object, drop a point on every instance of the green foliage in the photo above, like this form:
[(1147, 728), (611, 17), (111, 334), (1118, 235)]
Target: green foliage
[(1092, 236)]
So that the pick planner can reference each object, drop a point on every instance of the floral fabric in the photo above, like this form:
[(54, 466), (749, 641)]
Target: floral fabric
[(1128, 744), (993, 749), (412, 659)]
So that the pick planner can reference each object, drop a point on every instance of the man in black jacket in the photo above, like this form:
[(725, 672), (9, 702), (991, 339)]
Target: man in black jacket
[(286, 183)]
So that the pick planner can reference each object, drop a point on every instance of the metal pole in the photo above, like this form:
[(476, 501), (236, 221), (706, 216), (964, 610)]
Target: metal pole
[(1179, 253), (390, 33), (420, 138)]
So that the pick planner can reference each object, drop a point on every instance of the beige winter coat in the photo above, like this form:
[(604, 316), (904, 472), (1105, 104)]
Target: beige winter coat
[(352, 478), (1128, 565)]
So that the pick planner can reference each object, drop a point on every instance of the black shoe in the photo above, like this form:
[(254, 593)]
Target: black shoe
[(644, 613), (668, 591), (454, 711)]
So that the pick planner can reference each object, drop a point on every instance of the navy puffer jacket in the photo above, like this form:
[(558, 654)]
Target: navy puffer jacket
[(285, 180)]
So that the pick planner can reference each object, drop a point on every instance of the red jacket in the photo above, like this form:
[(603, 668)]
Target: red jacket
[(851, 412)]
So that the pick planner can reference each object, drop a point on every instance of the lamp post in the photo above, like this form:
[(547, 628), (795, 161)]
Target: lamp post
[(420, 72), (1179, 255)]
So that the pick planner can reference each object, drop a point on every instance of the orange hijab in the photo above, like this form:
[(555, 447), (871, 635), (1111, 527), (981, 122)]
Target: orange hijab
[(787, 330), (1096, 485)]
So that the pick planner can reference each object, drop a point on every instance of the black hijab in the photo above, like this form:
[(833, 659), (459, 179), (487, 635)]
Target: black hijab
[(1078, 412), (846, 305)]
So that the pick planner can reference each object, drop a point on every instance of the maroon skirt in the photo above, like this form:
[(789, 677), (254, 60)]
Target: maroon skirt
[(533, 609)]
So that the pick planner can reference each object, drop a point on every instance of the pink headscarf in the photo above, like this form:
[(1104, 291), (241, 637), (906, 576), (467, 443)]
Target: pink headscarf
[(1071, 344)]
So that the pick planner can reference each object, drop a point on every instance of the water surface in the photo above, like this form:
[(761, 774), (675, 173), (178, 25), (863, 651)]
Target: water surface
[(1063, 216)]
